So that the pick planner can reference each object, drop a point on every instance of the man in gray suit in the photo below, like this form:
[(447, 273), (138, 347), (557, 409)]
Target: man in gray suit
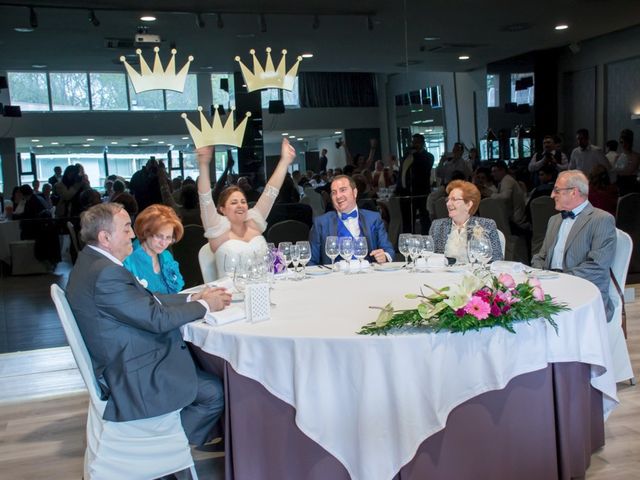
[(581, 239), (138, 356)]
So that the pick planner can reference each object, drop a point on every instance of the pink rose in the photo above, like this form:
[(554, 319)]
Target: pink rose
[(534, 282), (538, 294), (495, 310), (477, 307), (506, 280), (505, 297)]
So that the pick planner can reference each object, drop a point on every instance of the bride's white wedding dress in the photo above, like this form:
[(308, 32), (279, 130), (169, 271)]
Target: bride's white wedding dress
[(239, 249)]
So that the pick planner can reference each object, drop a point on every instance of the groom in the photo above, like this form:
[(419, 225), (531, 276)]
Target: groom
[(347, 221)]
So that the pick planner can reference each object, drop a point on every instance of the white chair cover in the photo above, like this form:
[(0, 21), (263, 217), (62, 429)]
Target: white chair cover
[(314, 200), (503, 242), (207, 261), (619, 353), (136, 450)]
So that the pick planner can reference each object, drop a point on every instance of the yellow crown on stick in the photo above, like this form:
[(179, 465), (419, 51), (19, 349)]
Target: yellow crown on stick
[(216, 133), (269, 77), (158, 79)]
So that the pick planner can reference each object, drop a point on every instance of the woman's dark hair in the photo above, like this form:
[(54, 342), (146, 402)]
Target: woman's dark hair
[(71, 175), (226, 193), (189, 196)]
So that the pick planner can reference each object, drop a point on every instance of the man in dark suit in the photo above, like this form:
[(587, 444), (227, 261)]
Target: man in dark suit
[(349, 220), (141, 363), (581, 239)]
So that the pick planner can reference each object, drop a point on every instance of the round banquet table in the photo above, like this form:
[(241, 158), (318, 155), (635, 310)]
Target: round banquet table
[(376, 407)]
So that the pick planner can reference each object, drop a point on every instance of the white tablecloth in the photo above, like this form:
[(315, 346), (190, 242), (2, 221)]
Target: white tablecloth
[(371, 401), (9, 232)]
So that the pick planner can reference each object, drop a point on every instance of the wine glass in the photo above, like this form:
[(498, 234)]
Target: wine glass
[(360, 250), (230, 265), (483, 250), (304, 253), (346, 250), (285, 249), (404, 243), (295, 260), (242, 273), (332, 249), (427, 246), (414, 248)]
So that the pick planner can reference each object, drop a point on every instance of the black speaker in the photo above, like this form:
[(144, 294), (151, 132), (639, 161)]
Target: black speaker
[(11, 111), (3, 83), (510, 107), (276, 106), (224, 84)]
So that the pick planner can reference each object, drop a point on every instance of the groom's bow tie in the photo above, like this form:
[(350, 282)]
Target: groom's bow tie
[(346, 216), (567, 214)]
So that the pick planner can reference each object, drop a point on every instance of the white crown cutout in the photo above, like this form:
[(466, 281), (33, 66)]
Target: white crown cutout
[(269, 77), (158, 79), (216, 133)]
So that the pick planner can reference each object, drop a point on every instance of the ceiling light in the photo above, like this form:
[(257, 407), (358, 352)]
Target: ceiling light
[(263, 23), (86, 145), (93, 19), (144, 139), (38, 146), (199, 20), (134, 144), (431, 39), (464, 57), (33, 18), (307, 55), (185, 138), (90, 139), (292, 136), (38, 65), (562, 26), (285, 134), (316, 22), (244, 85), (35, 140), (55, 143), (114, 143), (337, 132), (220, 22), (161, 142), (300, 138), (23, 29), (148, 18)]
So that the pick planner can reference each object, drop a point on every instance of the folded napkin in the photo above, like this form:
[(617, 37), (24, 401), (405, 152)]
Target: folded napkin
[(503, 266), (437, 260), (228, 315), (354, 267)]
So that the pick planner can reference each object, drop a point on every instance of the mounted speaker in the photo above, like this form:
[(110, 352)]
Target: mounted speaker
[(3, 83), (11, 111), (276, 107), (224, 84)]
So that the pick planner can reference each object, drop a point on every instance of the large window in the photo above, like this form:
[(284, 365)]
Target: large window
[(69, 91), (29, 90), (290, 99), (493, 91), (522, 88), (187, 100), (223, 90), (108, 91)]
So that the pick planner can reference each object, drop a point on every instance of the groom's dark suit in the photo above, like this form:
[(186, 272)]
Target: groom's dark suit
[(139, 358)]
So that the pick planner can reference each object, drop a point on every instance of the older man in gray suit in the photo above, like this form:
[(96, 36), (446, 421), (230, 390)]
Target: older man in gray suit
[(139, 358), (581, 239)]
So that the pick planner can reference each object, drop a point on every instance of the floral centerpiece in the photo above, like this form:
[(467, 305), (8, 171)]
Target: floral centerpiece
[(479, 301)]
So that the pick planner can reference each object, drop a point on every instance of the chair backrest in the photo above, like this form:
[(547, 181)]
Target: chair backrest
[(542, 209), (186, 254), (314, 200), (395, 221), (74, 236), (628, 220), (620, 264), (441, 208), (287, 231), (207, 261), (495, 209), (76, 342), (503, 243)]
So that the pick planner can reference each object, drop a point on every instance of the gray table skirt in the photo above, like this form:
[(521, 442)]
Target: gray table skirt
[(543, 425)]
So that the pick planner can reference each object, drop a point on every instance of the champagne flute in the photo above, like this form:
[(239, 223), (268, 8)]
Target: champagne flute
[(332, 249), (404, 243), (346, 250), (360, 250), (304, 252)]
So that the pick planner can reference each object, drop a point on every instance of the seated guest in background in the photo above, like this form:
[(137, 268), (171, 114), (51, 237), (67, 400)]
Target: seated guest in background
[(156, 227), (124, 198), (366, 196), (450, 163), (33, 206), (482, 180), (89, 198), (140, 361), (602, 193), (349, 221), (549, 157), (450, 235), (581, 239), (626, 167), (586, 156), (187, 207), (546, 178), (47, 189)]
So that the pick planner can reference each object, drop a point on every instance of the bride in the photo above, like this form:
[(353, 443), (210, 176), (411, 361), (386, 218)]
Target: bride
[(233, 228)]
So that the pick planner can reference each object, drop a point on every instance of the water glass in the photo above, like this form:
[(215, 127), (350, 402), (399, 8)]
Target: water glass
[(295, 260), (346, 250), (332, 249), (285, 250), (360, 250), (304, 252), (404, 245), (230, 265)]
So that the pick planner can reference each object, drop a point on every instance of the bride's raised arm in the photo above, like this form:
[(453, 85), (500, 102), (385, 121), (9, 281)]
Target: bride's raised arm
[(214, 224), (271, 190)]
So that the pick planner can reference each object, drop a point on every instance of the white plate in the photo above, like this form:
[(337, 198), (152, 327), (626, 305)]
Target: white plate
[(317, 272), (388, 267), (544, 274)]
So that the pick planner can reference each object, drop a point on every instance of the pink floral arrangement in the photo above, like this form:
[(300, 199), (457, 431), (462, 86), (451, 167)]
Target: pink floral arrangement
[(477, 302)]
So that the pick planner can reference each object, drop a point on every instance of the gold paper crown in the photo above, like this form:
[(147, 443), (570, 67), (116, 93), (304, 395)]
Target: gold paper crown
[(269, 77), (158, 79), (216, 133)]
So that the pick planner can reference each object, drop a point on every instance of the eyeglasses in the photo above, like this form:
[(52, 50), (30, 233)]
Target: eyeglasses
[(558, 190), (454, 199), (163, 239)]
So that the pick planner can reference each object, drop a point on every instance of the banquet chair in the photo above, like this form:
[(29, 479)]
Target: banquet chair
[(542, 209), (207, 261), (515, 246), (314, 200), (503, 242), (441, 208), (136, 450), (73, 235), (186, 254), (287, 231), (628, 220), (622, 369)]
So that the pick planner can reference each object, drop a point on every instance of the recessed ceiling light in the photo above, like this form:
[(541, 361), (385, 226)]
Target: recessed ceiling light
[(23, 29), (562, 26), (144, 139), (307, 55), (38, 146), (35, 140), (185, 138), (38, 65), (114, 143), (86, 145), (292, 136), (134, 144), (300, 138), (148, 18), (464, 57), (55, 143), (90, 139), (431, 39), (244, 85), (285, 134), (161, 142)]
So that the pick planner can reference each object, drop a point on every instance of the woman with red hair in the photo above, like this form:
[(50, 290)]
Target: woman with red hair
[(156, 227)]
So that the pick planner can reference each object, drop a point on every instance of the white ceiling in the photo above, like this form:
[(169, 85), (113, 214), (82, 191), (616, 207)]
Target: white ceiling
[(487, 31)]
